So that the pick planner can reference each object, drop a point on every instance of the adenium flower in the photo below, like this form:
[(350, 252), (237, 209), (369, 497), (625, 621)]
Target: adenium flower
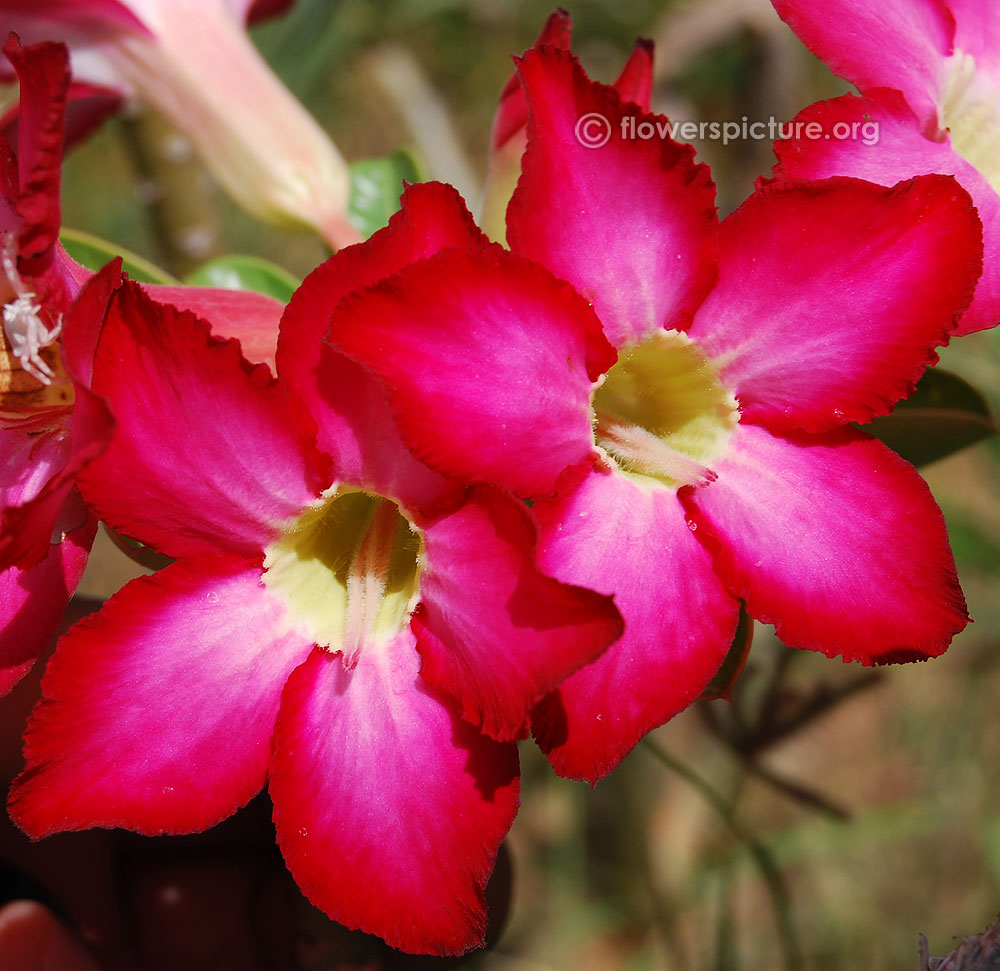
[(192, 60), (681, 415), (367, 640), (46, 434), (929, 75)]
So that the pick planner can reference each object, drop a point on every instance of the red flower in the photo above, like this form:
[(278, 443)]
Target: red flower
[(711, 458), (284, 645)]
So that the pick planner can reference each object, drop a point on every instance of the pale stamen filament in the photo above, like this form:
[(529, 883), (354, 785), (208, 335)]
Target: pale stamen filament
[(641, 451), (22, 323), (367, 579)]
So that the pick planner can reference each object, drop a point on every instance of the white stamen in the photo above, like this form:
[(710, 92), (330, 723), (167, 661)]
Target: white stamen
[(22, 324)]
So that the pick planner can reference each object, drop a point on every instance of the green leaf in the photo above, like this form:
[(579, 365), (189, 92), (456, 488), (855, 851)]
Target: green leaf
[(240, 272), (945, 414), (94, 252), (376, 185), (721, 685)]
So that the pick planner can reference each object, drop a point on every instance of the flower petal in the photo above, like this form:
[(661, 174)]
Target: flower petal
[(833, 295), (43, 73), (629, 221), (635, 83), (208, 453), (388, 808), (32, 603), (157, 711), (977, 32), (28, 463), (512, 111), (494, 632), (900, 152), (899, 44), (88, 107), (355, 423), (836, 541), (488, 362), (92, 18), (617, 537), (252, 318), (44, 505)]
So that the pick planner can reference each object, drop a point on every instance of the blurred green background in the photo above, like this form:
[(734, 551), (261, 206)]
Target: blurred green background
[(641, 873)]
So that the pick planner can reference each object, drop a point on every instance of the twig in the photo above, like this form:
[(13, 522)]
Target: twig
[(773, 878)]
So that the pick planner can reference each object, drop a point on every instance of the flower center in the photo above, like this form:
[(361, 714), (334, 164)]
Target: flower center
[(347, 568), (34, 387), (970, 110), (662, 413)]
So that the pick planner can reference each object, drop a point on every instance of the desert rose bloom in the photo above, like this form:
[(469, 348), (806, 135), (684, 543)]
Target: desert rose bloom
[(46, 433), (367, 640), (711, 458), (509, 133), (192, 60), (929, 75)]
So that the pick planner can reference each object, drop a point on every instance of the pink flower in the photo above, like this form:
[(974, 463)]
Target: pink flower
[(929, 74), (368, 641), (192, 60), (47, 427), (681, 414)]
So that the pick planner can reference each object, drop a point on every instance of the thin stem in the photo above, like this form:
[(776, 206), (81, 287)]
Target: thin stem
[(773, 878)]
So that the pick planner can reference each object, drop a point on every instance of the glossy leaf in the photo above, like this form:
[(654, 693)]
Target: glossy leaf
[(945, 414), (237, 271), (376, 185), (93, 253)]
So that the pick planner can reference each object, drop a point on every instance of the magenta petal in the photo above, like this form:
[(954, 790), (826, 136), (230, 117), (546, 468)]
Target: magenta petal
[(355, 423), (46, 505), (27, 461), (30, 500), (88, 106), (252, 318), (512, 111), (619, 538), (630, 221), (389, 809), (977, 32), (494, 632), (901, 152), (209, 452), (899, 44), (833, 295), (836, 541), (32, 603), (43, 73), (488, 361), (157, 712), (93, 19), (635, 83)]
